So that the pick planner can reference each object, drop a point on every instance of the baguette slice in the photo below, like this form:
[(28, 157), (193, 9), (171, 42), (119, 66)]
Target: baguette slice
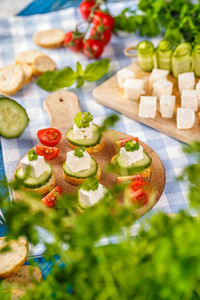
[(11, 79), (42, 64), (25, 276), (27, 57), (13, 259), (27, 73), (52, 38)]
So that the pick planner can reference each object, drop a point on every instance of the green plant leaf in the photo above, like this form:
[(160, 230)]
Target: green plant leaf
[(79, 69), (96, 70), (80, 81)]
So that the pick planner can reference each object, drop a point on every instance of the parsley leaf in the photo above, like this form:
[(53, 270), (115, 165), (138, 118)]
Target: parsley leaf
[(131, 146), (32, 155), (83, 120), (91, 184), (79, 152)]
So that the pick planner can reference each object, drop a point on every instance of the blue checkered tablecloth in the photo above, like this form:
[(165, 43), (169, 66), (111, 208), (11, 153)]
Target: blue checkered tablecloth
[(16, 35)]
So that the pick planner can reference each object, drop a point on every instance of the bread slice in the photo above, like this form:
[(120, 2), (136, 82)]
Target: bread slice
[(52, 38), (25, 276), (14, 258), (27, 57), (42, 64), (11, 79), (78, 181), (28, 74), (93, 149)]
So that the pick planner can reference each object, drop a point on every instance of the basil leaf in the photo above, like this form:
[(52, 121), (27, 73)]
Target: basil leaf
[(79, 69), (55, 80), (96, 70), (80, 81)]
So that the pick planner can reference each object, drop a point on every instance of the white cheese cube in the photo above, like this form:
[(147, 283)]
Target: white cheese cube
[(133, 88), (198, 89), (83, 133), (185, 118), (167, 104), (162, 87), (156, 75), (89, 198), (124, 74), (36, 167), (189, 99), (77, 164), (147, 108), (186, 81), (131, 156)]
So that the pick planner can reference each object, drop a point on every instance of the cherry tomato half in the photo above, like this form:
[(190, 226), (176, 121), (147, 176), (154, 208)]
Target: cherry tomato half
[(50, 199), (104, 19), (86, 7), (140, 191), (49, 136), (93, 48), (102, 34), (140, 197), (47, 152), (74, 40)]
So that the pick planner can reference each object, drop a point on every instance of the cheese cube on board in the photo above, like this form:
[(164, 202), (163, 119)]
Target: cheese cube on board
[(131, 156), (185, 118), (186, 81), (167, 104), (189, 99), (198, 89), (89, 198), (77, 164), (133, 88), (162, 87), (83, 133), (37, 167), (156, 75), (124, 74), (147, 108)]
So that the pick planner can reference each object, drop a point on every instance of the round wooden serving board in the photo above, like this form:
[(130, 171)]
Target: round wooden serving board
[(62, 107)]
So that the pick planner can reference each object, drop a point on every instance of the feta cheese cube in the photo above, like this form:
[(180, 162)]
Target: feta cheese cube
[(198, 89), (83, 133), (77, 164), (37, 167), (89, 198), (133, 88), (124, 74), (131, 156), (162, 87), (167, 104), (147, 108), (156, 75), (189, 99), (185, 118), (186, 81)]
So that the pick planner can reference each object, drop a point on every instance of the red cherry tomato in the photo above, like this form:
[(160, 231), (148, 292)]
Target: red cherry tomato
[(50, 199), (140, 184), (86, 7), (104, 19), (49, 136), (47, 152), (140, 197), (74, 41), (93, 48), (102, 34)]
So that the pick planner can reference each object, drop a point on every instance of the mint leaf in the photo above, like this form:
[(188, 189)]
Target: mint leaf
[(96, 70)]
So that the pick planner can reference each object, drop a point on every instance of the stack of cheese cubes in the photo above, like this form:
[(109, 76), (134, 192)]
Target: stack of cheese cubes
[(162, 91)]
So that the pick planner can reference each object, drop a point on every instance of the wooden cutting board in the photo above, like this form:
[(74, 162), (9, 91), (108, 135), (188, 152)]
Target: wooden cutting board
[(62, 107), (109, 94)]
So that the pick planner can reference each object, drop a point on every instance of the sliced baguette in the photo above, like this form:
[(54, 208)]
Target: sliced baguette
[(14, 258), (27, 57), (78, 181), (41, 64), (93, 149), (11, 79), (52, 38), (28, 74)]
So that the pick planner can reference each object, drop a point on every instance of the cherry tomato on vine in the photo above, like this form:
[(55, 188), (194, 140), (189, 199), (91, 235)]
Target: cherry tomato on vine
[(104, 19), (74, 40), (93, 48), (47, 152), (49, 136), (50, 199), (86, 7), (102, 34)]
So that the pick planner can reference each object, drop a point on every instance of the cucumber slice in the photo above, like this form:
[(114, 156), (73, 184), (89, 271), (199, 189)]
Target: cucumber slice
[(122, 168), (85, 142), (13, 118), (145, 51), (34, 182), (165, 50), (82, 174), (181, 59), (196, 60)]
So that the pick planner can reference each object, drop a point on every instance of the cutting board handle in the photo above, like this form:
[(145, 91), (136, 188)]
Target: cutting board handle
[(62, 106)]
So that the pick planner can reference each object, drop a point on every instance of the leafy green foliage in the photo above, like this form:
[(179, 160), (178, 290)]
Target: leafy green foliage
[(131, 146), (83, 120), (59, 79), (179, 20), (79, 151), (110, 121), (90, 184), (32, 155)]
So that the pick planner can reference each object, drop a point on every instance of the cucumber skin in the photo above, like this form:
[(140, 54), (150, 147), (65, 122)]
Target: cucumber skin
[(74, 176), (85, 146), (25, 113), (35, 186), (132, 170)]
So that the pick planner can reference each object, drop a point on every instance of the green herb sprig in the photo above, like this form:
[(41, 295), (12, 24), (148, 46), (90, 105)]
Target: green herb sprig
[(79, 152), (83, 120), (131, 146), (59, 79), (32, 155), (91, 184)]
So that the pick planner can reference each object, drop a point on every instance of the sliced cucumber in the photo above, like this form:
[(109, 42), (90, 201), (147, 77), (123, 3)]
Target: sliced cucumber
[(122, 168), (34, 182), (145, 50), (181, 59), (13, 118), (82, 174), (85, 142)]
